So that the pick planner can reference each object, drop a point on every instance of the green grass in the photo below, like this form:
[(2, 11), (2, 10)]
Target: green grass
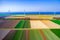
[(35, 35), (23, 24), (50, 35), (56, 31), (27, 24), (32, 36), (20, 24), (24, 35), (56, 21), (18, 35)]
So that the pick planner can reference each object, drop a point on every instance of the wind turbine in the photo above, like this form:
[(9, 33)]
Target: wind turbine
[(39, 12), (24, 12), (9, 12), (54, 13)]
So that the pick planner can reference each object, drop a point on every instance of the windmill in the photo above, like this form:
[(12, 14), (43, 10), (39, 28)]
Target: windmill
[(39, 11), (9, 12), (54, 13), (24, 12)]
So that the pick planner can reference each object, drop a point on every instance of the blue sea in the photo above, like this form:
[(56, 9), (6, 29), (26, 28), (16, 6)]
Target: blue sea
[(28, 13)]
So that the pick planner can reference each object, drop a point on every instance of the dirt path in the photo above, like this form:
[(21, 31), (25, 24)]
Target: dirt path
[(42, 33), (27, 34)]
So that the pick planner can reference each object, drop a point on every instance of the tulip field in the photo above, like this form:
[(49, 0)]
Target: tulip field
[(29, 29)]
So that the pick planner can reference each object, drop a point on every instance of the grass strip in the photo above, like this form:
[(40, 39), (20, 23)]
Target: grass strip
[(56, 32), (35, 35), (32, 36), (56, 21), (23, 35), (18, 35), (50, 35), (20, 24), (27, 24), (38, 35)]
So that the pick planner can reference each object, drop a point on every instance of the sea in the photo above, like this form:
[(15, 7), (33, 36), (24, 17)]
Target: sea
[(2, 14)]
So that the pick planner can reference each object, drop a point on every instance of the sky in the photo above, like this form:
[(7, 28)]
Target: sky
[(29, 5)]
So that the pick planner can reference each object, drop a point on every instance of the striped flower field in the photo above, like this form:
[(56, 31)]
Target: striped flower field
[(41, 34), (30, 29), (32, 24)]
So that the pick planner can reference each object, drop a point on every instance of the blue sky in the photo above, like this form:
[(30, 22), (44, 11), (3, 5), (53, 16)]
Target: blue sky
[(29, 5)]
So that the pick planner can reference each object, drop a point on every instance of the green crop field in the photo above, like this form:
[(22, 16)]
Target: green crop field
[(56, 21)]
